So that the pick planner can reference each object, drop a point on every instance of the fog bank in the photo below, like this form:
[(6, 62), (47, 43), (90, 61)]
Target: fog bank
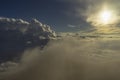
[(69, 59)]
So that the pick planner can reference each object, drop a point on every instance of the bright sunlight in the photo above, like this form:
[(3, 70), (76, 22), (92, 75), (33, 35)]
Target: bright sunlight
[(105, 17)]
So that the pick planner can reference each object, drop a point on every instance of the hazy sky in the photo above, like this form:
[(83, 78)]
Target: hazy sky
[(62, 15)]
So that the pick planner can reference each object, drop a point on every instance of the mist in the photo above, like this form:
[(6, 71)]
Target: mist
[(69, 59)]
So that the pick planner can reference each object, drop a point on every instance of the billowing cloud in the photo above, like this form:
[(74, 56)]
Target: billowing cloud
[(16, 35), (69, 59), (7, 24)]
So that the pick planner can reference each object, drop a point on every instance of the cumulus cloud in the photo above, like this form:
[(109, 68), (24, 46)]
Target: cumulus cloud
[(69, 59), (16, 35), (24, 26)]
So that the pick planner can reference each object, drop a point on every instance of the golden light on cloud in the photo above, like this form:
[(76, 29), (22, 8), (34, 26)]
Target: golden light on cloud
[(104, 19), (106, 16)]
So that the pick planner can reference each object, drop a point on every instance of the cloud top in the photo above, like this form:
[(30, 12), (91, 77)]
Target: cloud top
[(16, 35), (69, 59)]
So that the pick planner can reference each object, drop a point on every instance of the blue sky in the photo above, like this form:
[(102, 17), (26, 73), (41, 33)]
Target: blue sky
[(52, 12)]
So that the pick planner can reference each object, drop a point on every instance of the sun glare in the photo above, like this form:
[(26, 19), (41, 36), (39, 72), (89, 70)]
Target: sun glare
[(105, 17)]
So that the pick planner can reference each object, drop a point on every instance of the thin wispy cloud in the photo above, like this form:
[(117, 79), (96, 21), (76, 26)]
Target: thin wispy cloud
[(71, 26)]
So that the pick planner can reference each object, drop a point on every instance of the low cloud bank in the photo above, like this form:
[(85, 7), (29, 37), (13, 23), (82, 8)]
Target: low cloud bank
[(69, 59)]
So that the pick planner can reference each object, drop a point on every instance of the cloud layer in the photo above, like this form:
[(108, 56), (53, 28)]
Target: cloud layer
[(69, 59)]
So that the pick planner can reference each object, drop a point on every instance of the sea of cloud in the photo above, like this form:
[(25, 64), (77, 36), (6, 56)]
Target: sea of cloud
[(69, 59)]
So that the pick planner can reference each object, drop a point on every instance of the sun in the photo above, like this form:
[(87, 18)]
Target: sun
[(105, 17)]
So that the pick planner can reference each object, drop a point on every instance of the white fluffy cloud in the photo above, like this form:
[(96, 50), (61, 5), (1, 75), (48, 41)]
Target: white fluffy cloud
[(16, 35), (24, 26)]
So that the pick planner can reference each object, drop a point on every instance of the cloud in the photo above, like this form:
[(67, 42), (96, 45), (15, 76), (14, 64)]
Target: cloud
[(69, 59), (7, 65), (24, 26), (88, 10), (16, 35), (83, 7), (71, 26)]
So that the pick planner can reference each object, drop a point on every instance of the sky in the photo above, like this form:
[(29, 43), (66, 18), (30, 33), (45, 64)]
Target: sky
[(52, 12), (62, 15), (68, 57)]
